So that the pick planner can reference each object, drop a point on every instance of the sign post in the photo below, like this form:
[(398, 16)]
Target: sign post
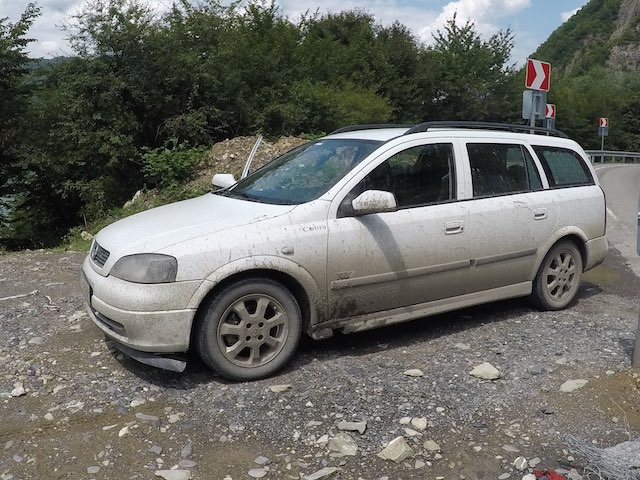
[(603, 131), (538, 81)]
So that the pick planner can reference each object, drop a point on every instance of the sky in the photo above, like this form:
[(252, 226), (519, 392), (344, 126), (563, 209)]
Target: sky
[(532, 21)]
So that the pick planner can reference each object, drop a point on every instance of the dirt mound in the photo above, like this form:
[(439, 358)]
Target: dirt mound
[(230, 156)]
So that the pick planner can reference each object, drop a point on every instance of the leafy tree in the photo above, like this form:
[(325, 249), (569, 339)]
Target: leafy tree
[(317, 108), (100, 121), (464, 77), (584, 99), (14, 96), (401, 53), (13, 68)]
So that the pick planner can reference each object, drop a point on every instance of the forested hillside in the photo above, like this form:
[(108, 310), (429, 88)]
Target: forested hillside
[(145, 94), (596, 72)]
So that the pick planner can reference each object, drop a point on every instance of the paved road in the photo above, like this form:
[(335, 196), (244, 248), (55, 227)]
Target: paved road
[(621, 184)]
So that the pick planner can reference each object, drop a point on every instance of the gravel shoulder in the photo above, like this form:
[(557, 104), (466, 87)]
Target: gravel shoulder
[(73, 407)]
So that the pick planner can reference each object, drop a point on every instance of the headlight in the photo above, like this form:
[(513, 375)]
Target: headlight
[(146, 268)]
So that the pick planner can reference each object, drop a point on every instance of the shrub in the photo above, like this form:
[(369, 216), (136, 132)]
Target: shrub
[(169, 165)]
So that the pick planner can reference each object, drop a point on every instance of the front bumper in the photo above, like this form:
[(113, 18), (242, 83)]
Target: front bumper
[(145, 317)]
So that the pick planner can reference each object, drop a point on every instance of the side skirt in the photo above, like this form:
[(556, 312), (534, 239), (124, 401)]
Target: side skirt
[(368, 321)]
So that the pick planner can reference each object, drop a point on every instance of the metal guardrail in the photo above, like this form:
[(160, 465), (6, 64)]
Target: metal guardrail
[(613, 156)]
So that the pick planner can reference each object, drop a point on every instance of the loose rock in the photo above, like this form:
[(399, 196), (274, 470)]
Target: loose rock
[(485, 371), (279, 388), (156, 450), (19, 391), (323, 473), (534, 462), (148, 418), (419, 424), (572, 385), (414, 372), (344, 444), (262, 461), (258, 473), (520, 463), (431, 446), (359, 427), (397, 450), (187, 450), (173, 474)]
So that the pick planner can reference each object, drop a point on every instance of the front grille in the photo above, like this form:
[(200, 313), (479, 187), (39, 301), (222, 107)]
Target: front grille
[(99, 255)]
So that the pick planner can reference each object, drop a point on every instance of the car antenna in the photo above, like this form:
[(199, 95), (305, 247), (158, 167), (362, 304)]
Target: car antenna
[(252, 154)]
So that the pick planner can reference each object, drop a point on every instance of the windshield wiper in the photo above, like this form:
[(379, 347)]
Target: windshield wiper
[(247, 196)]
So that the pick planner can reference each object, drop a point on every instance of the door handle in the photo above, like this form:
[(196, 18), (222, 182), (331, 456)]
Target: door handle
[(540, 213), (451, 228)]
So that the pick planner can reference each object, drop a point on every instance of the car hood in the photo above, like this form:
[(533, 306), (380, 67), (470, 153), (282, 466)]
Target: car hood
[(161, 227)]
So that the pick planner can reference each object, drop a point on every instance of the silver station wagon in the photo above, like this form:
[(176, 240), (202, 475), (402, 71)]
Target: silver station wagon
[(368, 226)]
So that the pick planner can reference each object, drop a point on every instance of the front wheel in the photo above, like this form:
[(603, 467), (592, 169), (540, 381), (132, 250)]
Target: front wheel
[(558, 278), (249, 330)]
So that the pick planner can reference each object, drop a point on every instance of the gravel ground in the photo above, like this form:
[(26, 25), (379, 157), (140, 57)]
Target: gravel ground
[(71, 407)]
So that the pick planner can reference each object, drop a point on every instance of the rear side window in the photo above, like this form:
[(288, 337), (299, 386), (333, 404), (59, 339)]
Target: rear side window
[(500, 169), (564, 167)]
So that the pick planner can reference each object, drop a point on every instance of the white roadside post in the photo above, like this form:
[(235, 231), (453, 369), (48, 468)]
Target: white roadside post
[(635, 362)]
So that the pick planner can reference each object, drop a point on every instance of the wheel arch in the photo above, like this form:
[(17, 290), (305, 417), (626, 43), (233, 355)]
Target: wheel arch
[(574, 235), (289, 274)]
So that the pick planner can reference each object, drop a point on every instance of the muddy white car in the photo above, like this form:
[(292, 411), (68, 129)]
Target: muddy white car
[(369, 226)]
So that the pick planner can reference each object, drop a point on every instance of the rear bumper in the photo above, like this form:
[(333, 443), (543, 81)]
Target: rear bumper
[(596, 250), (147, 318)]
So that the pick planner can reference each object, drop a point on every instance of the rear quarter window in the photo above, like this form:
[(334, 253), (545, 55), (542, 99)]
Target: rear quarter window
[(563, 167)]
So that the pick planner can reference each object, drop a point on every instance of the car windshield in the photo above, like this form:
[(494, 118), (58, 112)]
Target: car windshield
[(303, 174)]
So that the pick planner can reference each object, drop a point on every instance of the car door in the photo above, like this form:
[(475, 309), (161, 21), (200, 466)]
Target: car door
[(414, 255), (511, 214)]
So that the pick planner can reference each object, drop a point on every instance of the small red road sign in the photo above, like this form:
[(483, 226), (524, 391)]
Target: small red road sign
[(538, 75), (604, 122), (550, 111)]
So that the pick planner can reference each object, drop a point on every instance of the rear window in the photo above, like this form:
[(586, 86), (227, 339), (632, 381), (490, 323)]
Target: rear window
[(564, 167), (501, 169)]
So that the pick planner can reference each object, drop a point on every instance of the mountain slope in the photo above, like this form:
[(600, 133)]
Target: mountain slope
[(603, 32)]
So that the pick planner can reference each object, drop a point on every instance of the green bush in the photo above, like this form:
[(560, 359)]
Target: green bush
[(168, 166), (315, 107)]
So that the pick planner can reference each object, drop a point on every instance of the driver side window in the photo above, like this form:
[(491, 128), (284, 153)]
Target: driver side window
[(418, 176)]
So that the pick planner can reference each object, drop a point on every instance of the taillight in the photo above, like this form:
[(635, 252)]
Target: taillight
[(604, 195)]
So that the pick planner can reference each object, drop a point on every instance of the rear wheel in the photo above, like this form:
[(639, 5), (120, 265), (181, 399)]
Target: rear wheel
[(558, 278), (249, 330)]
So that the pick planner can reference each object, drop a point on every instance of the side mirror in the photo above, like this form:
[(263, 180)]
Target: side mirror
[(374, 201), (223, 180)]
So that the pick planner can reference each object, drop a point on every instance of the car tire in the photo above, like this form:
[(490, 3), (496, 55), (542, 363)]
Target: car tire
[(249, 329), (558, 278)]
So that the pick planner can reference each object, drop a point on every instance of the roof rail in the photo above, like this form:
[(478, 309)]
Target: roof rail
[(426, 126), (369, 126)]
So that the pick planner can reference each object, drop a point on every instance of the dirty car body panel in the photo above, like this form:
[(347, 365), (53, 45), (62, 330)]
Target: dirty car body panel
[(474, 217)]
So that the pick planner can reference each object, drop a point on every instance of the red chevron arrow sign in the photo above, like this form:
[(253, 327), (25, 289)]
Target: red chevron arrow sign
[(604, 122), (538, 75), (550, 111)]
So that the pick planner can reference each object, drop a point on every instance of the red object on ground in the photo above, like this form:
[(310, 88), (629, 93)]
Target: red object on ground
[(548, 474)]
